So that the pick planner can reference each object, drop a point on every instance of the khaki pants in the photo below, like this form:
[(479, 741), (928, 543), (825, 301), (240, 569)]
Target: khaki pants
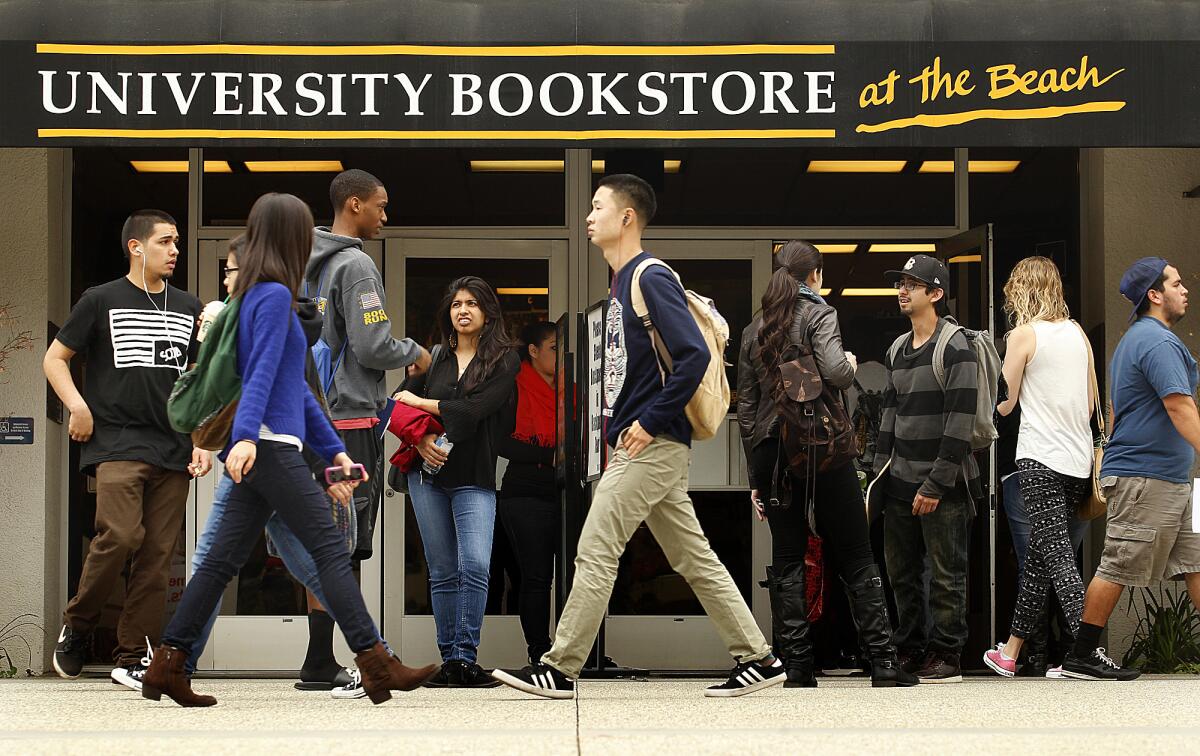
[(653, 489), (139, 513)]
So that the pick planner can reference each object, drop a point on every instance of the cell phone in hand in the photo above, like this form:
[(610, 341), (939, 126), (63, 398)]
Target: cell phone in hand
[(336, 474)]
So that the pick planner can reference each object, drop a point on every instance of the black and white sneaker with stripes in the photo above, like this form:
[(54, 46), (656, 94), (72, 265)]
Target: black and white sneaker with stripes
[(131, 676), (749, 677), (540, 680)]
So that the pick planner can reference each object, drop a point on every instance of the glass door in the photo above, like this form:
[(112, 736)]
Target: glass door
[(530, 277), (969, 258), (262, 625), (655, 620)]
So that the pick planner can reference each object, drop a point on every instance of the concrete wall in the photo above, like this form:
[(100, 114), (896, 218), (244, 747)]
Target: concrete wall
[(32, 261), (1144, 213)]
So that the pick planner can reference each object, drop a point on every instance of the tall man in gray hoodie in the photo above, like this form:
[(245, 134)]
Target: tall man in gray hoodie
[(348, 288)]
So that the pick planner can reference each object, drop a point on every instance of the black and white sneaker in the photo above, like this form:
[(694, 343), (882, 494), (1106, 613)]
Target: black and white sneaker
[(749, 677), (70, 652), (540, 680), (354, 689), (1096, 667), (131, 676)]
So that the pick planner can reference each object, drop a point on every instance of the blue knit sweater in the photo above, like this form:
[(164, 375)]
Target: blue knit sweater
[(271, 349)]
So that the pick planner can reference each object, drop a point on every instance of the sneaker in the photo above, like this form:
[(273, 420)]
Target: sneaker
[(749, 677), (472, 676), (354, 689), (941, 668), (545, 681), (1055, 673), (131, 676), (912, 661), (1000, 663), (445, 677), (1096, 667), (69, 653)]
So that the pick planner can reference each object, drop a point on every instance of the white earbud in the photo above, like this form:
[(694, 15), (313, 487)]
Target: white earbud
[(138, 250)]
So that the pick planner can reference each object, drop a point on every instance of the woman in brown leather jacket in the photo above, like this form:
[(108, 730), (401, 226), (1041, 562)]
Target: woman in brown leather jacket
[(792, 309)]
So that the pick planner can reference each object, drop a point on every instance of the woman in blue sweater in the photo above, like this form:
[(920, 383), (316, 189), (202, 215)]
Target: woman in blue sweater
[(276, 416)]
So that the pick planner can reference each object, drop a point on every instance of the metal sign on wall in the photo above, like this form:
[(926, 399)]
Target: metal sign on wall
[(843, 94)]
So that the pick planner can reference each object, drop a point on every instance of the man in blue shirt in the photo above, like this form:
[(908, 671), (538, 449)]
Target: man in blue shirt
[(647, 476), (1147, 468)]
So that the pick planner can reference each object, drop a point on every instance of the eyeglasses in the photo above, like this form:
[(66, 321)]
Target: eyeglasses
[(229, 270), (908, 285)]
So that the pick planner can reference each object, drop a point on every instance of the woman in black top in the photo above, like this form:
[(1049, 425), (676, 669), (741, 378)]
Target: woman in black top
[(529, 507), (467, 386), (793, 312)]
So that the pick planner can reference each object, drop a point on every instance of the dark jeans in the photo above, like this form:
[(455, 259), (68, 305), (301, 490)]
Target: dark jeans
[(365, 446), (841, 520), (532, 526), (280, 481), (944, 535)]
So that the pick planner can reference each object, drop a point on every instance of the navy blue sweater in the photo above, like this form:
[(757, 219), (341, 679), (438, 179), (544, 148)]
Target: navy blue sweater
[(633, 386), (271, 354)]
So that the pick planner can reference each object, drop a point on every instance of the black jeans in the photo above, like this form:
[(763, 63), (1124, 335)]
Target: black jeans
[(365, 446), (945, 535), (532, 526), (841, 520), (280, 481)]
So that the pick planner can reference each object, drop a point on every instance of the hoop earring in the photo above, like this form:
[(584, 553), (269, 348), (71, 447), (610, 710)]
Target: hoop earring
[(454, 340)]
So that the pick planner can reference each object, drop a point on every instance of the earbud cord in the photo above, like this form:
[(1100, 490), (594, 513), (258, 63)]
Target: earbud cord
[(166, 325)]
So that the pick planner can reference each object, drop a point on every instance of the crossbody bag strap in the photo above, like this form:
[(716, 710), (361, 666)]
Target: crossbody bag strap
[(1094, 387)]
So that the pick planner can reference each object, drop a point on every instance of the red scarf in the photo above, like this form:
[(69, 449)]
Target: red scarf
[(536, 422)]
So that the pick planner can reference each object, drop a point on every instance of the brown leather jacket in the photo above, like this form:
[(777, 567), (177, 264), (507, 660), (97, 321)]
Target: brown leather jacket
[(756, 412)]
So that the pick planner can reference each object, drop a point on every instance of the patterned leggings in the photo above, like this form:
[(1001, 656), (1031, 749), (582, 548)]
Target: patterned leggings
[(1051, 499)]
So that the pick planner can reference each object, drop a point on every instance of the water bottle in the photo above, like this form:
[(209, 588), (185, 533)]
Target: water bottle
[(445, 445)]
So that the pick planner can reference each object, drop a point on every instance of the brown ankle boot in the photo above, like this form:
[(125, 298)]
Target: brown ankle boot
[(382, 673), (166, 675)]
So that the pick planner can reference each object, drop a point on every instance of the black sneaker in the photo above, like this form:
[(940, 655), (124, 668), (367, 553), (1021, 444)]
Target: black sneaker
[(354, 689), (912, 661), (541, 680), (470, 675), (941, 667), (445, 677), (749, 677), (69, 653), (131, 675), (1096, 667)]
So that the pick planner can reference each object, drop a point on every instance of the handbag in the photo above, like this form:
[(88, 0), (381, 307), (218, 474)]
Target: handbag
[(1095, 504)]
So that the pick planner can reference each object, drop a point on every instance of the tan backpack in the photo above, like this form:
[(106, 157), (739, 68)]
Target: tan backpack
[(709, 406)]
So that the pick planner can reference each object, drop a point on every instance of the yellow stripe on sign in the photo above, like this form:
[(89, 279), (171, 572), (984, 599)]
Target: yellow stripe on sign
[(490, 51), (1019, 114), (436, 135)]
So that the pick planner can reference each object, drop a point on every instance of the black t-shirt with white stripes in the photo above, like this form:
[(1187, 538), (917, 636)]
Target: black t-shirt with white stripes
[(137, 345)]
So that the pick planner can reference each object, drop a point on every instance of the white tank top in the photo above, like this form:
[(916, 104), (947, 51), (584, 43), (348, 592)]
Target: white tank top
[(1055, 412)]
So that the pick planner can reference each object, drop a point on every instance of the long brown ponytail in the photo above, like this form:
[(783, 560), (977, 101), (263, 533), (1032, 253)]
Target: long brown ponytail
[(793, 264)]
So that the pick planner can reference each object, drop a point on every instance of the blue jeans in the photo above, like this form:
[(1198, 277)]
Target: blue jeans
[(456, 529), (308, 511), (1018, 523)]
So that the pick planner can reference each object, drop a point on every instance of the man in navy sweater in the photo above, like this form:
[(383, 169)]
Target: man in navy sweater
[(647, 475)]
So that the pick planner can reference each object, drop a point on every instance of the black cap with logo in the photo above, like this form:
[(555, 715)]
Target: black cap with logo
[(929, 270)]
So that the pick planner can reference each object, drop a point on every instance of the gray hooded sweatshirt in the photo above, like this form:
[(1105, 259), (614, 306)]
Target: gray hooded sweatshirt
[(349, 293)]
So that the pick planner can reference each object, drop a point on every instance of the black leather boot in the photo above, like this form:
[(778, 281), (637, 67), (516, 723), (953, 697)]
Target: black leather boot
[(869, 606), (789, 612)]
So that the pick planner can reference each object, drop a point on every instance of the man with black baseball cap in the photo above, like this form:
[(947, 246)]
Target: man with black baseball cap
[(1148, 463), (925, 444)]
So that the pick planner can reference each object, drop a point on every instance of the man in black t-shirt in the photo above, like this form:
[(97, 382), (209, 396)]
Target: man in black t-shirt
[(139, 335)]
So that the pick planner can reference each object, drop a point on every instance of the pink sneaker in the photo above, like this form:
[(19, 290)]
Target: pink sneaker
[(1000, 663), (1055, 673)]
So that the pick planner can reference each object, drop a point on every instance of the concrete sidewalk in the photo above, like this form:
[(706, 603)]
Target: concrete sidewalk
[(981, 715)]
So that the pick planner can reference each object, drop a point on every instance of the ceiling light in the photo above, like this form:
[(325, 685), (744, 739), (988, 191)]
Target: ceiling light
[(966, 259), (856, 166), (516, 166), (825, 292), (974, 166), (523, 291), (178, 166), (905, 247), (294, 166), (836, 249), (669, 166), (889, 292)]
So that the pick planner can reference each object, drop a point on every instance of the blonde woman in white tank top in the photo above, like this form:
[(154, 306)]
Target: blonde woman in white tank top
[(1046, 368)]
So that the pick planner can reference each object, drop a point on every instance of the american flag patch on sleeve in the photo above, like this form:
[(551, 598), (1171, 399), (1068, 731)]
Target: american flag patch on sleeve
[(370, 300)]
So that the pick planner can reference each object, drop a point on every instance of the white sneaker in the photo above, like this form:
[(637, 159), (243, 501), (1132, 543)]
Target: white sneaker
[(1055, 673), (354, 689)]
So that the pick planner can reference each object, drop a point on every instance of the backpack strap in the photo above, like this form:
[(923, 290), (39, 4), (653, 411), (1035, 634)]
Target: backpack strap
[(939, 350), (894, 350), (342, 353), (638, 300)]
